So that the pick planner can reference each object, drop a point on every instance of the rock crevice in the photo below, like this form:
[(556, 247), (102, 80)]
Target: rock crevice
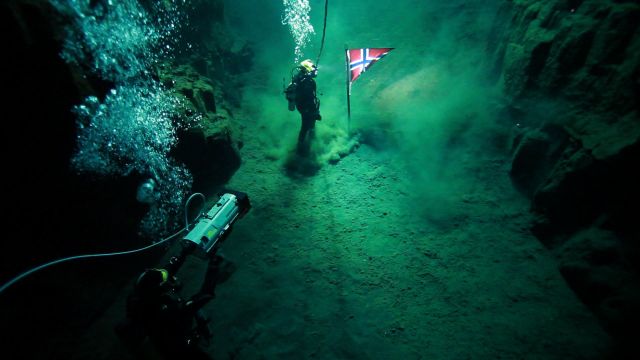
[(577, 160)]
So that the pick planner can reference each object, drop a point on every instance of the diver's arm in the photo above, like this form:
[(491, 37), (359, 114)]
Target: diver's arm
[(196, 303), (175, 263), (316, 101), (207, 291)]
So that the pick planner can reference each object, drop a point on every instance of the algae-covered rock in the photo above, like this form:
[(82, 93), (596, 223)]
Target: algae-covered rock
[(584, 52), (214, 51), (210, 149), (582, 58), (580, 62), (197, 89)]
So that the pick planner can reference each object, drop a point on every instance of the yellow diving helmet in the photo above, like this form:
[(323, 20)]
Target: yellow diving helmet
[(308, 67)]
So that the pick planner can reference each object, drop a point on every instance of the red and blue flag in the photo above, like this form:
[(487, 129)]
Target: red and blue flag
[(360, 60)]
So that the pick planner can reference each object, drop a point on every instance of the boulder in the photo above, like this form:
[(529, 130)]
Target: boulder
[(209, 149), (581, 188), (534, 154), (210, 153), (597, 268), (197, 89)]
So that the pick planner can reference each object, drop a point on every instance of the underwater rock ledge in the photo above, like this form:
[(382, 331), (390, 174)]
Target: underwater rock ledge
[(571, 71)]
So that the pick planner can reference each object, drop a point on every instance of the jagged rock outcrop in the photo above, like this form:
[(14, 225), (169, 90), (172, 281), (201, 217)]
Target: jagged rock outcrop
[(43, 88), (211, 148), (213, 51), (211, 153), (534, 154), (201, 93), (571, 72), (60, 213), (209, 80)]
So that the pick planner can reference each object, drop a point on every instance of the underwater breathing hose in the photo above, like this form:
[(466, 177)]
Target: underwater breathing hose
[(77, 257), (324, 30)]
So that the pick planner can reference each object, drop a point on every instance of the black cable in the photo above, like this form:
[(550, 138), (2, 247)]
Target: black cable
[(40, 267), (324, 30)]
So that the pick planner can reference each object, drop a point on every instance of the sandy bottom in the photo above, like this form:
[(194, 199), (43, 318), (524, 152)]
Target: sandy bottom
[(345, 263)]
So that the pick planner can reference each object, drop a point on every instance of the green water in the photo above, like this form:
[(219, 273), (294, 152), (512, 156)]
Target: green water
[(413, 246), (406, 241), (400, 235)]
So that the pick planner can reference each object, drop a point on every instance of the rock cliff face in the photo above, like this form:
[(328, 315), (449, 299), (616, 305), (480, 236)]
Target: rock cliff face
[(209, 150), (33, 35), (206, 75), (80, 213), (571, 71)]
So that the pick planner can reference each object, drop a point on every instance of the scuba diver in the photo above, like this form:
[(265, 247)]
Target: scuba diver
[(157, 311), (301, 94)]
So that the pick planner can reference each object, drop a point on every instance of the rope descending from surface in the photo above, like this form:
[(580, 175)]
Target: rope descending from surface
[(324, 30)]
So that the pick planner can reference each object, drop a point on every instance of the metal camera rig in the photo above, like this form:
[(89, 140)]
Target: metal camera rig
[(215, 225)]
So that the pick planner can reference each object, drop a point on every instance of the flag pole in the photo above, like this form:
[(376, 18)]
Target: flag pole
[(346, 50)]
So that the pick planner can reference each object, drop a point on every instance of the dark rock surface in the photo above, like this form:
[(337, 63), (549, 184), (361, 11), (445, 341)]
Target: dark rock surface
[(596, 265), (211, 153), (54, 212), (576, 65), (534, 153), (213, 51), (577, 158), (211, 149)]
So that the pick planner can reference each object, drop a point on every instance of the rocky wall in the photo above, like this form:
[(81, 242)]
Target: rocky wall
[(571, 73), (213, 51), (211, 149), (55, 212)]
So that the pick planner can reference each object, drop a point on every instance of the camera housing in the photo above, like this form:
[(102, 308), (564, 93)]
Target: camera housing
[(214, 226)]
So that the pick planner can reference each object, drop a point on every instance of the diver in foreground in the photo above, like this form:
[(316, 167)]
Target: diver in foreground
[(157, 311), (301, 94)]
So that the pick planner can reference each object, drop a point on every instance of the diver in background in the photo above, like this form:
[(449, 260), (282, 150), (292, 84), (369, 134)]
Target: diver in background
[(301, 94), (156, 309)]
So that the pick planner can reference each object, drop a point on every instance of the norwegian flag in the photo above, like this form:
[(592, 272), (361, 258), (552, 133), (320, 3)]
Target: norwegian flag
[(361, 59)]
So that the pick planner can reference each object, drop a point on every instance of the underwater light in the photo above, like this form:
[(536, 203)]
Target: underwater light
[(214, 226), (146, 191)]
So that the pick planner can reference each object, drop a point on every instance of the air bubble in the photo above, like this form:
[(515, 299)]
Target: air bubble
[(133, 129), (296, 15)]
